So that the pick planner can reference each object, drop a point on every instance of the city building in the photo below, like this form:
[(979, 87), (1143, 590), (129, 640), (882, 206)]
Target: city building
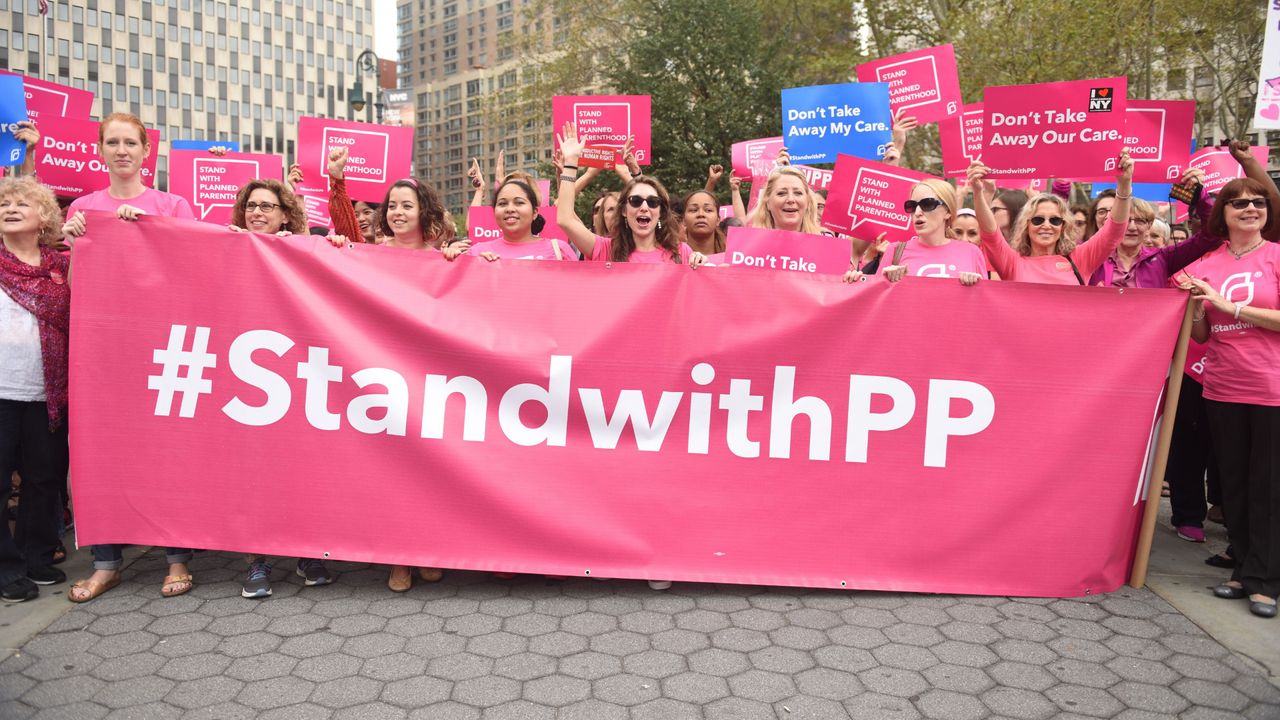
[(198, 69)]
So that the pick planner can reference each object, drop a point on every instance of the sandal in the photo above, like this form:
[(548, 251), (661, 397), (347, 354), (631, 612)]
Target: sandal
[(401, 579), (93, 588), (1164, 490), (429, 574), (175, 585), (59, 555)]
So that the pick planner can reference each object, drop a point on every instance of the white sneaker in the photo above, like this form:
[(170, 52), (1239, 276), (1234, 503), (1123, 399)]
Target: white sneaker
[(659, 584)]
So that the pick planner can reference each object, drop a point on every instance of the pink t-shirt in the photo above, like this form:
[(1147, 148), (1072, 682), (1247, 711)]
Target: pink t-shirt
[(151, 202), (602, 252), (539, 249), (1242, 364), (944, 261), (1052, 269)]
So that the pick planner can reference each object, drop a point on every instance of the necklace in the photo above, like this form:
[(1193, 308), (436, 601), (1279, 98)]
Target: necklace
[(1247, 250)]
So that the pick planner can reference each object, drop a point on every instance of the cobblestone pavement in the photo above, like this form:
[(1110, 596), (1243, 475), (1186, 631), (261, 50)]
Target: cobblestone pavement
[(477, 647)]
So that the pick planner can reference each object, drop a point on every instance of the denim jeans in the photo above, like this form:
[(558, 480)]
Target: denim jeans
[(111, 557)]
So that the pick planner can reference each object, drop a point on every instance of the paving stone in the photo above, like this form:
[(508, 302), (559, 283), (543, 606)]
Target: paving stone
[(680, 641), (138, 691), (666, 709), (1022, 675), (905, 657), (53, 693), (875, 706), (695, 688), (524, 666), (396, 666), (416, 692), (1142, 671), (778, 659), (723, 603), (1084, 700), (1257, 688), (128, 667), (193, 643), (301, 711), (1082, 673), (435, 645), (127, 643), (448, 710), (620, 643), (757, 619), (814, 618), (519, 710), (222, 711), (627, 689), (646, 621), (72, 711), (371, 711), (894, 681), (860, 637), (1155, 698), (327, 668), (1201, 668), (848, 659), (558, 644), (249, 645), (715, 661), (868, 617), (1211, 695), (146, 711), (557, 690), (194, 694), (733, 708), (593, 710), (958, 678), (1020, 704), (702, 621), (763, 685), (16, 710), (51, 645), (60, 667), (460, 666), (829, 684), (948, 705)]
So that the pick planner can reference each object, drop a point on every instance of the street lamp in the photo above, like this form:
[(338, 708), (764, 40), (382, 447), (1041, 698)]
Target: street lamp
[(366, 62)]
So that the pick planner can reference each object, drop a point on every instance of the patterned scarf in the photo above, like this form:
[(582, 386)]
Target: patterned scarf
[(43, 291)]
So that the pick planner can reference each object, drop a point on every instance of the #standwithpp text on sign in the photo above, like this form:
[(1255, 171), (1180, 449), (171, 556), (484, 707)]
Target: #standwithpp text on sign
[(820, 121)]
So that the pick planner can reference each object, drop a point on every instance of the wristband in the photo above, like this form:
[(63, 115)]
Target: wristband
[(1239, 307), (566, 177), (570, 167), (1123, 197)]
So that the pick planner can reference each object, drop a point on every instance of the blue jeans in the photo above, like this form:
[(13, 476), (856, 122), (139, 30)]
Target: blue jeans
[(110, 557)]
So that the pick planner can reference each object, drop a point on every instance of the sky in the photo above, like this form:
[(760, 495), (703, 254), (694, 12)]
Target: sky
[(384, 29)]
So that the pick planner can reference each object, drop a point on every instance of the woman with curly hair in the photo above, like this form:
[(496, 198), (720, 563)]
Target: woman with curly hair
[(268, 206), (35, 314)]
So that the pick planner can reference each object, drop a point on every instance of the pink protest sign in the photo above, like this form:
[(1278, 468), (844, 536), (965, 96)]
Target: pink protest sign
[(924, 83), (818, 178), (961, 140), (315, 203), (598, 156), (1220, 168), (482, 226), (1158, 134), (1071, 129), (47, 99), (378, 155), (786, 250), (210, 182), (606, 120), (866, 199), (68, 162), (755, 158), (725, 212)]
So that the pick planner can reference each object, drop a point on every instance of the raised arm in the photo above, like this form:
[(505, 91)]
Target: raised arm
[(1254, 169), (1000, 256), (735, 195), (27, 133), (1090, 254), (340, 207), (714, 173), (566, 214), (477, 184)]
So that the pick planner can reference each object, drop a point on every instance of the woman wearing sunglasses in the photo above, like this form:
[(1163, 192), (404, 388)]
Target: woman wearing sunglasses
[(1239, 286), (646, 229), (934, 251), (1044, 248)]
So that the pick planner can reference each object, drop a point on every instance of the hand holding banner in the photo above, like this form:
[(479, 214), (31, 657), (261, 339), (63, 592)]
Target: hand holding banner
[(1069, 129), (379, 155), (47, 99), (922, 82), (211, 182), (69, 163), (13, 110), (786, 250), (866, 199), (821, 121), (606, 121)]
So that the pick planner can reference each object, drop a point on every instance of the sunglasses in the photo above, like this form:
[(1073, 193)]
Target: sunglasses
[(1242, 203), (927, 205), (1039, 220), (652, 201)]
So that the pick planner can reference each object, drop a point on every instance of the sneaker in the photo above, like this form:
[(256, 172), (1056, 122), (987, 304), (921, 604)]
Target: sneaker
[(257, 584), (313, 572), (47, 575), (1215, 515), (1191, 533), (19, 590), (659, 584)]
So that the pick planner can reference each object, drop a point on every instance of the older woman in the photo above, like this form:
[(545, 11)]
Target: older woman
[(1239, 285), (268, 206), (1044, 248), (35, 314)]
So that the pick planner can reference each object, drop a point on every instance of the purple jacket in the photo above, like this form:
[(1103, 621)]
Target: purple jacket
[(1153, 266)]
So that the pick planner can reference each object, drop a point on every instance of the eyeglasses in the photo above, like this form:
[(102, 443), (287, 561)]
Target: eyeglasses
[(1242, 203), (652, 201), (1039, 220), (1102, 212), (927, 205), (265, 207), (1140, 221)]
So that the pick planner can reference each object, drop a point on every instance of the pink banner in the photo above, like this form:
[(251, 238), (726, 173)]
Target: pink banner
[(866, 199), (378, 155), (1221, 168), (68, 161), (758, 448), (606, 120), (1158, 134), (755, 158), (211, 182), (924, 83), (785, 250), (46, 99), (961, 139), (484, 227), (1071, 129)]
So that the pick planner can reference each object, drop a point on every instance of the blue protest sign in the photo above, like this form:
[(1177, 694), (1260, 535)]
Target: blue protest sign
[(1155, 192), (13, 110), (821, 121), (230, 145)]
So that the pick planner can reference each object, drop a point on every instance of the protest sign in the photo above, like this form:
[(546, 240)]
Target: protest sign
[(315, 204), (786, 250), (1220, 167), (1266, 112), (961, 139), (1158, 135), (483, 226), (69, 163), (818, 178), (822, 120), (755, 158), (230, 145), (1071, 129), (379, 155), (606, 121), (47, 99), (922, 83), (13, 110), (212, 182), (866, 199)]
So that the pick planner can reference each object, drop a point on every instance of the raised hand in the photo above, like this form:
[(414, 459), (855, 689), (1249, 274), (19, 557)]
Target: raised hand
[(337, 161)]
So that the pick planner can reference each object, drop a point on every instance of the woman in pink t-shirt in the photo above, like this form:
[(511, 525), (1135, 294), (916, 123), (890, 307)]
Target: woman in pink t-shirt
[(1044, 248), (515, 208), (124, 147), (934, 252), (645, 231), (1240, 320)]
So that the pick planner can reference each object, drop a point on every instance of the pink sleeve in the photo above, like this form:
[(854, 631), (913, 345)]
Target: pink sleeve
[(602, 250), (566, 249), (1090, 254), (1000, 256), (685, 253), (182, 209)]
